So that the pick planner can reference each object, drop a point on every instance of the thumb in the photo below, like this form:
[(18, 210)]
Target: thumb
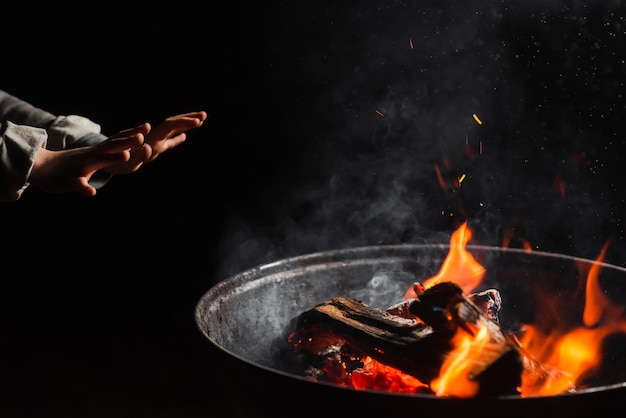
[(85, 188)]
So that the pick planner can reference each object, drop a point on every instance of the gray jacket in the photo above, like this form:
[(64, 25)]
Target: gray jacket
[(24, 129)]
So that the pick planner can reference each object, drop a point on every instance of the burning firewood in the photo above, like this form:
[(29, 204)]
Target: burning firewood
[(405, 344), (415, 337)]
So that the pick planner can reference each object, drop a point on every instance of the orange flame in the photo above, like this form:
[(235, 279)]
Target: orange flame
[(455, 376), (460, 266), (557, 356), (555, 359), (565, 358), (596, 302), (569, 355)]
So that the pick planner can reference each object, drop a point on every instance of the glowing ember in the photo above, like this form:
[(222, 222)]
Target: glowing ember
[(375, 375)]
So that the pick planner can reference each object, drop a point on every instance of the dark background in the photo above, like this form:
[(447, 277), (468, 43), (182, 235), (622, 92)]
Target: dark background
[(326, 120)]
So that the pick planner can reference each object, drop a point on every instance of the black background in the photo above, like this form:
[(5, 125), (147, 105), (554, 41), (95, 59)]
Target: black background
[(325, 122)]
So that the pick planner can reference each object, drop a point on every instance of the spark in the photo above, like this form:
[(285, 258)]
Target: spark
[(411, 42), (480, 148), (461, 179), (478, 121), (380, 113)]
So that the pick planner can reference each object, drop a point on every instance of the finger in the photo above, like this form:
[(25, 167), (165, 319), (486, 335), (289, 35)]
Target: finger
[(170, 128), (113, 145), (85, 188), (143, 129), (201, 115), (176, 140), (140, 156), (145, 152), (184, 121), (159, 147), (98, 161), (180, 124)]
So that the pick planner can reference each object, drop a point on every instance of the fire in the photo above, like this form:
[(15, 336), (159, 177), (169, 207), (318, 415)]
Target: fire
[(459, 266), (562, 352), (568, 357), (575, 351), (564, 357), (456, 370), (597, 303)]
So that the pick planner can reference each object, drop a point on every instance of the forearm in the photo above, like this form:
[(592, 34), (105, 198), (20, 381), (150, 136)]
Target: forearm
[(23, 113), (63, 131)]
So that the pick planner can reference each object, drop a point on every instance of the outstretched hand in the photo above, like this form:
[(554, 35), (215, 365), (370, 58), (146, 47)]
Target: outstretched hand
[(70, 170), (167, 135), (122, 153)]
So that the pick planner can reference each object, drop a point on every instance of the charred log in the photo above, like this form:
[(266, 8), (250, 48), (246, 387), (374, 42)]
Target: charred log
[(414, 337), (405, 344)]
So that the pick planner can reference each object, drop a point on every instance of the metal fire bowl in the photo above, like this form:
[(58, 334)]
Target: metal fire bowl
[(243, 316)]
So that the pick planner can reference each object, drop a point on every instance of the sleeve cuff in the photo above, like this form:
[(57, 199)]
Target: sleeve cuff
[(72, 131)]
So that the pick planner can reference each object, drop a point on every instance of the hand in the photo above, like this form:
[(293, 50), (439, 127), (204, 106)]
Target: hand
[(70, 170), (167, 135)]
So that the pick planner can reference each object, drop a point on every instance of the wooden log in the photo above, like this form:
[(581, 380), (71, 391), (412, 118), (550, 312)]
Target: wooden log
[(405, 344), (418, 345)]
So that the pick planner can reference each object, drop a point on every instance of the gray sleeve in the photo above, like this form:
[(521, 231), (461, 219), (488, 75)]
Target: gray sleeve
[(18, 148), (63, 131)]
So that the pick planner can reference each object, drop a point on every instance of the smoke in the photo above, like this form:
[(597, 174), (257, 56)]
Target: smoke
[(380, 96)]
